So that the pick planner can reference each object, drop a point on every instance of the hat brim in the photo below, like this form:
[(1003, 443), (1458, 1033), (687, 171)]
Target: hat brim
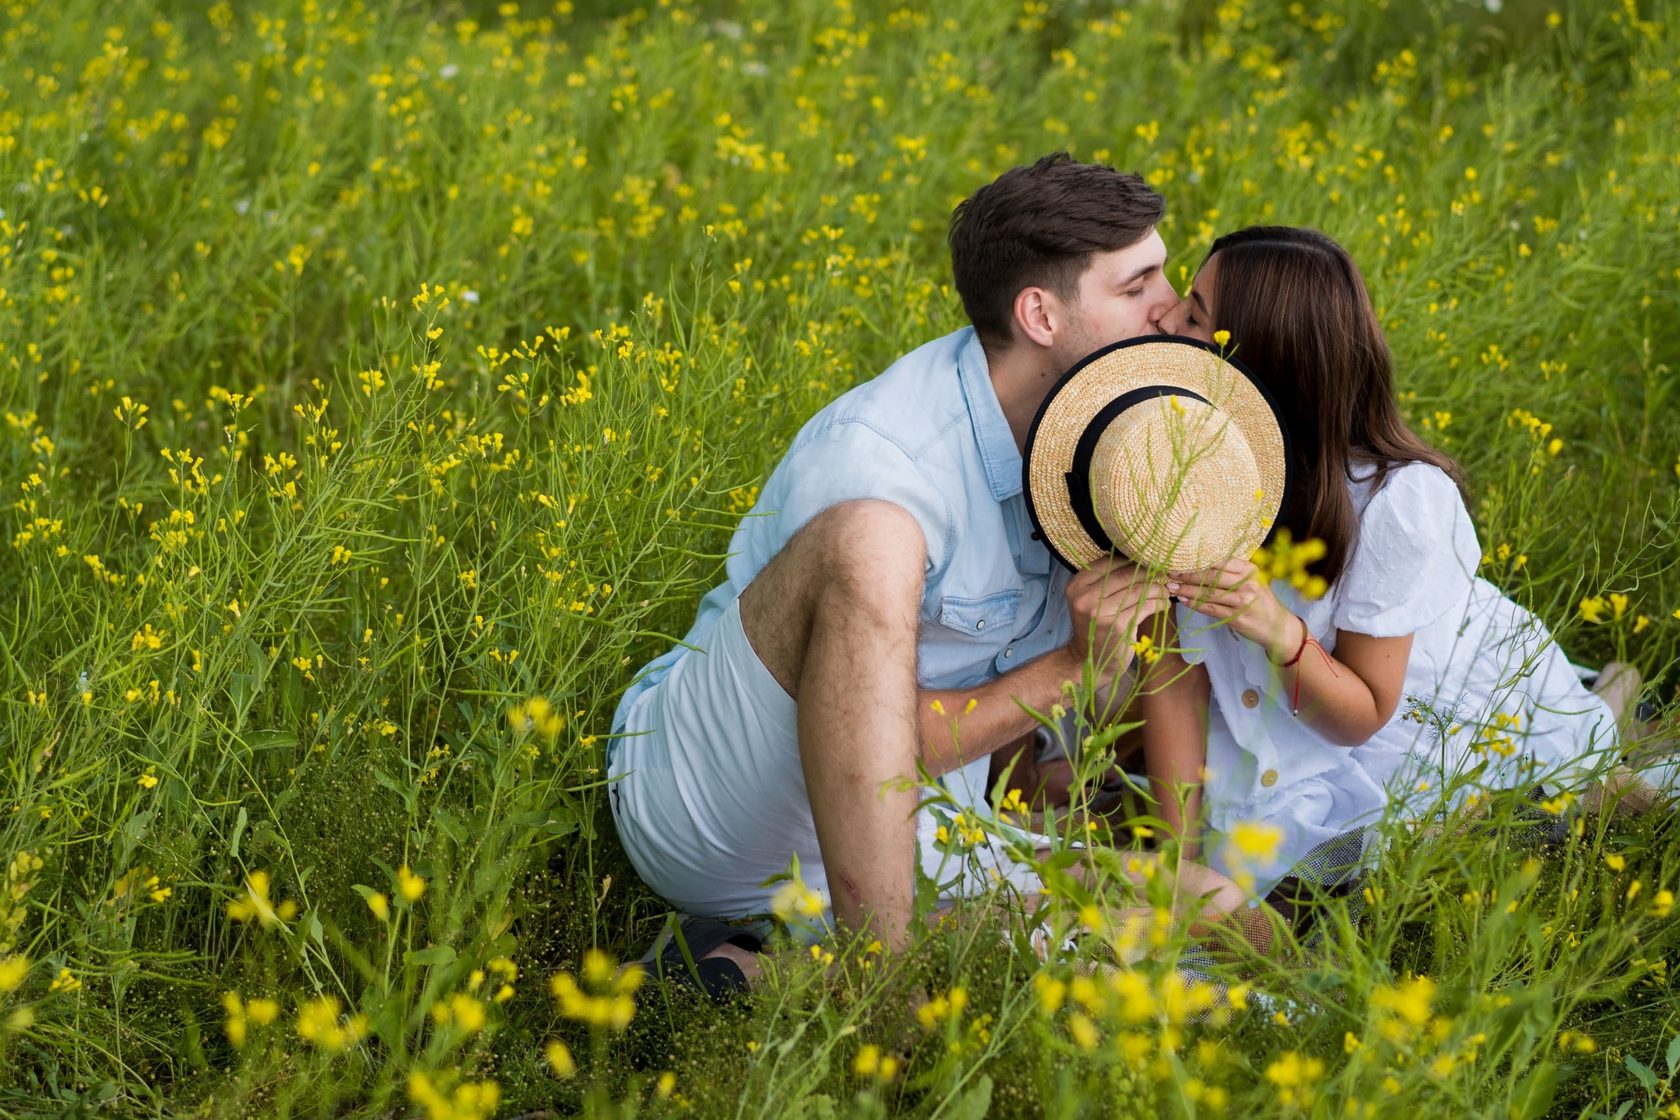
[(1172, 362)]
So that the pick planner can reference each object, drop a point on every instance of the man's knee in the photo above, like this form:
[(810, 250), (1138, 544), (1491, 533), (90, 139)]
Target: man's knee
[(868, 548)]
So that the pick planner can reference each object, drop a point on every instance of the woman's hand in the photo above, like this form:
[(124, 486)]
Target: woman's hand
[(1236, 593)]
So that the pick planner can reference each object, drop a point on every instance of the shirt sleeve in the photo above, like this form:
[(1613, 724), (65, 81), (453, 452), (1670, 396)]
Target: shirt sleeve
[(1416, 559), (844, 462)]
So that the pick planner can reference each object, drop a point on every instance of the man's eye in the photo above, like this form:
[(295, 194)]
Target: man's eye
[(1134, 292)]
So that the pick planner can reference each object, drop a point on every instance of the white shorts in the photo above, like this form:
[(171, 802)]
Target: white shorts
[(709, 796)]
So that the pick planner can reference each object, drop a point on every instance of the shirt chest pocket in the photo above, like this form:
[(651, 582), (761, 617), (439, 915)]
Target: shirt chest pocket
[(989, 619)]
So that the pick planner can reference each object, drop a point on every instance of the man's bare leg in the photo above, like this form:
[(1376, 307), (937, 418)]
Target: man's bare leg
[(834, 618)]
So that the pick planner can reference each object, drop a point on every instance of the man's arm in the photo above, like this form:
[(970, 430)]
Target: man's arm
[(953, 733), (1106, 602)]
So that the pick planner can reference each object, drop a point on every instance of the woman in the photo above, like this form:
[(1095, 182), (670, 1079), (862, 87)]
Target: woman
[(1409, 669)]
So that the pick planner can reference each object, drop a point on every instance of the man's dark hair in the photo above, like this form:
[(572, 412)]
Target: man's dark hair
[(1038, 226)]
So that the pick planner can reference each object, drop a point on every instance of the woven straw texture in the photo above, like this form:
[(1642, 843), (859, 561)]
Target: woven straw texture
[(1177, 485)]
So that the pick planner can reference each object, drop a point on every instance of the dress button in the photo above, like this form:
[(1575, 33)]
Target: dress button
[(980, 625), (1269, 779), (1250, 698)]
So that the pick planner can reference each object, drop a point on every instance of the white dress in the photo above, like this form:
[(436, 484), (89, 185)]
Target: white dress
[(1476, 657)]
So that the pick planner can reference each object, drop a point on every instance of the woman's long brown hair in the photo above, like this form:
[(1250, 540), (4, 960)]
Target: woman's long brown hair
[(1301, 320)]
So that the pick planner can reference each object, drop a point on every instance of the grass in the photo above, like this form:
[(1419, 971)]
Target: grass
[(369, 371)]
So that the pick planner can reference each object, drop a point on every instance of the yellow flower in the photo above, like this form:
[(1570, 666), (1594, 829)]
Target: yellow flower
[(14, 968), (64, 982), (410, 885), (560, 1060), (1294, 1076), (868, 1060), (235, 1024), (1592, 608), (1256, 841), (470, 1100), (1614, 862), (256, 903), (1084, 1031), (1051, 992), (1661, 903), (611, 1005), (380, 906), (462, 1010), (319, 1023), (1220, 338), (1407, 1007), (147, 780), (240, 1015), (940, 1009), (794, 898)]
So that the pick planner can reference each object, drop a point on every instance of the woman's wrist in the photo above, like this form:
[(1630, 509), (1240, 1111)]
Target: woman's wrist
[(1285, 649)]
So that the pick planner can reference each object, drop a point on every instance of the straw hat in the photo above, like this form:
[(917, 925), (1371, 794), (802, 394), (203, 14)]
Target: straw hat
[(1159, 448)]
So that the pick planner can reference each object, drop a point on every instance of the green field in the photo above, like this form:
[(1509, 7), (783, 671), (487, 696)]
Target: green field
[(370, 370)]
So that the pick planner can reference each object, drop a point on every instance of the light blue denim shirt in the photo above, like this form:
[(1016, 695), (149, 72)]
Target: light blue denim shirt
[(930, 436)]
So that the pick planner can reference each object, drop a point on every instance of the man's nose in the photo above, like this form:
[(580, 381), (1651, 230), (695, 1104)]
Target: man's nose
[(1165, 300), (1161, 316)]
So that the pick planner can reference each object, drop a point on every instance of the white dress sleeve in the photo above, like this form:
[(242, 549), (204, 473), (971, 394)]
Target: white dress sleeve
[(1416, 559), (1195, 634)]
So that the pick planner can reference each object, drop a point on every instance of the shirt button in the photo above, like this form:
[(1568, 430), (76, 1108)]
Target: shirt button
[(980, 625), (1269, 779), (1010, 652), (1251, 698)]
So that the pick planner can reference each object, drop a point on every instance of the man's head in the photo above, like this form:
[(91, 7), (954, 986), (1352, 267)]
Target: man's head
[(1061, 256)]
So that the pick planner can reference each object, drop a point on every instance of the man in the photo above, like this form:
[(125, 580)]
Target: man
[(888, 585)]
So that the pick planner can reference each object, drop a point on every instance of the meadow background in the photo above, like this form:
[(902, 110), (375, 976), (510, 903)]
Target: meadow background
[(371, 369)]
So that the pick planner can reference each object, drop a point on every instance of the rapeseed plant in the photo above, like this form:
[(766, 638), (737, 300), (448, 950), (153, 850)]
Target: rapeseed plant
[(379, 396)]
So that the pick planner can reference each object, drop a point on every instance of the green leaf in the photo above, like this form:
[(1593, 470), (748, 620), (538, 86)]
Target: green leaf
[(556, 821), (1532, 1096), (406, 792), (270, 739), (1641, 1071), (973, 1104), (192, 1036), (1673, 1056), (133, 831), (431, 954), (238, 831)]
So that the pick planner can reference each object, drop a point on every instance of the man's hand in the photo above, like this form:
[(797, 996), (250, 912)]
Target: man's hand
[(1107, 601), (1237, 593)]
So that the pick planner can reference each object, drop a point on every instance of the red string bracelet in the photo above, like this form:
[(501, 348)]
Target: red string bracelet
[(1306, 640), (1306, 636)]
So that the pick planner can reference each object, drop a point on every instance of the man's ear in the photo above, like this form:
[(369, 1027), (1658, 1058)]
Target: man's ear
[(1037, 315)]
